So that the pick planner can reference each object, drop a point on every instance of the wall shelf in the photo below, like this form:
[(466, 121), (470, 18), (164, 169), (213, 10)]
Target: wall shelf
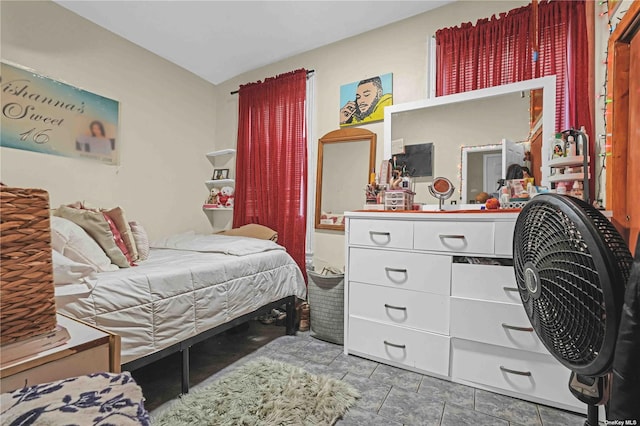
[(221, 152), (217, 158), (221, 209), (221, 159), (218, 183)]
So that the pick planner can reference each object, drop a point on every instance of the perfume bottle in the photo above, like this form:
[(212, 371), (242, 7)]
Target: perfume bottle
[(570, 150)]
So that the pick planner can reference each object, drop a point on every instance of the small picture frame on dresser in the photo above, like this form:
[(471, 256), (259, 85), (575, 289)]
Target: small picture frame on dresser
[(219, 174)]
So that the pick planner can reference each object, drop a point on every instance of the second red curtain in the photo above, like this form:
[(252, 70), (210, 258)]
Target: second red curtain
[(498, 50), (271, 183)]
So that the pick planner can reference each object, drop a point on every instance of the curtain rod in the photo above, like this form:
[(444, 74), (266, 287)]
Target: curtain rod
[(308, 72)]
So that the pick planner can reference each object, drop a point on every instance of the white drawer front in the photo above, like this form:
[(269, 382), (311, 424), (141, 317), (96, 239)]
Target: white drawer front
[(544, 377), (496, 323), (504, 238), (409, 271), (381, 233), (485, 282), (413, 348), (457, 237), (424, 311)]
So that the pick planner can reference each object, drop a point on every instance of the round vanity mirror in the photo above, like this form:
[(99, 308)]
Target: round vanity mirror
[(442, 189)]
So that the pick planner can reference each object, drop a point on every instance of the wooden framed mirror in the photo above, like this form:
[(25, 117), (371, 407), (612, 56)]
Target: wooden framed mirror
[(346, 159)]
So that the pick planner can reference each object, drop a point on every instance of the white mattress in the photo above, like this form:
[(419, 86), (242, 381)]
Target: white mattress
[(176, 294)]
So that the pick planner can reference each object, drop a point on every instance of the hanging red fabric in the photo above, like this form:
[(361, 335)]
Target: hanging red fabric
[(499, 50), (271, 166)]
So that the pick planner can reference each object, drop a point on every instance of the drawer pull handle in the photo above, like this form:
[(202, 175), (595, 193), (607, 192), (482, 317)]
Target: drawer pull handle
[(519, 373), (513, 327), (514, 289), (453, 236), (402, 271), (384, 234), (395, 345), (400, 308)]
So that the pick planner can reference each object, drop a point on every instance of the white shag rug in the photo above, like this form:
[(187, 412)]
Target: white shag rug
[(263, 392)]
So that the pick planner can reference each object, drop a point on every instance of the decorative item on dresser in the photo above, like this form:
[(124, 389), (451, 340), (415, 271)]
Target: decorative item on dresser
[(435, 292)]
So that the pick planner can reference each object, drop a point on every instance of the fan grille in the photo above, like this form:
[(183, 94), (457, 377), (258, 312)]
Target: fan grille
[(568, 310)]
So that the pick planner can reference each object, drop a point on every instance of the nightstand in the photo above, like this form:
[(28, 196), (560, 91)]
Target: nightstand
[(89, 350)]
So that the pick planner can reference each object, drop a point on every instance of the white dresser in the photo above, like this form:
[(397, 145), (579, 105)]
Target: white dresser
[(435, 293)]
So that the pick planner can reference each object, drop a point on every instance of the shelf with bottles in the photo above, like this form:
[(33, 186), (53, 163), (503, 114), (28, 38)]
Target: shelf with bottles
[(574, 160), (566, 177), (568, 166)]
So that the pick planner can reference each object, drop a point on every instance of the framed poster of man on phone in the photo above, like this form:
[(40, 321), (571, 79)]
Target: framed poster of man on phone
[(364, 101)]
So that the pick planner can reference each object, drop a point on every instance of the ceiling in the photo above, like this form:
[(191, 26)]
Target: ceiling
[(218, 40)]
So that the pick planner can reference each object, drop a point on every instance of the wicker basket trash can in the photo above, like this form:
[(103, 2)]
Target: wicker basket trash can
[(326, 299), (27, 301)]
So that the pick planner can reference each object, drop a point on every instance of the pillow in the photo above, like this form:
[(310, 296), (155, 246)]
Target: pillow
[(66, 271), (117, 238), (142, 240), (98, 228), (252, 230), (73, 242), (117, 215)]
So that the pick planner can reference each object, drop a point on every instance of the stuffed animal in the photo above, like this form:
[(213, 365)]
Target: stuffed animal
[(213, 196), (226, 196)]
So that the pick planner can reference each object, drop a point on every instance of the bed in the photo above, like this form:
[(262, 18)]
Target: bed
[(191, 288)]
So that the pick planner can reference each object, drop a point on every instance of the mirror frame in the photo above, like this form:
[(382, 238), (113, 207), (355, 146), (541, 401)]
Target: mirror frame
[(548, 111), (465, 150), (342, 136)]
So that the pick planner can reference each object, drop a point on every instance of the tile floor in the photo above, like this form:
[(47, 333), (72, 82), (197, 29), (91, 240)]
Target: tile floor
[(389, 396)]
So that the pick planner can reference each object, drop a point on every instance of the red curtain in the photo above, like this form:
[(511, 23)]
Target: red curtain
[(271, 178), (498, 50)]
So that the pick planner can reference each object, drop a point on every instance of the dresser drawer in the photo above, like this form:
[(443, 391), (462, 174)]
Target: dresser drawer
[(413, 348), (424, 311), (457, 237), (541, 376), (485, 282), (496, 323), (92, 360), (409, 271), (381, 233), (504, 238)]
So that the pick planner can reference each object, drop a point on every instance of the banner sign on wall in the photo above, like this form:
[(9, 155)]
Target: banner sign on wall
[(44, 115)]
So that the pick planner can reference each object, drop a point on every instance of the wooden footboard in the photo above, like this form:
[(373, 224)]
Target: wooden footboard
[(289, 301)]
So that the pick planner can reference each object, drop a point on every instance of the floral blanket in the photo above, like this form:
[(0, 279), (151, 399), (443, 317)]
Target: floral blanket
[(96, 399)]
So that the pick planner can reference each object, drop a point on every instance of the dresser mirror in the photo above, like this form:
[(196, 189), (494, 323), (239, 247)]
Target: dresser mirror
[(346, 158), (459, 124)]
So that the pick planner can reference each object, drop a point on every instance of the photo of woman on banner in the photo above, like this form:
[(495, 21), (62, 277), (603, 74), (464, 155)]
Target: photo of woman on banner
[(95, 141)]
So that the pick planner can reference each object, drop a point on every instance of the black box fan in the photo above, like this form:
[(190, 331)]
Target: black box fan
[(572, 268)]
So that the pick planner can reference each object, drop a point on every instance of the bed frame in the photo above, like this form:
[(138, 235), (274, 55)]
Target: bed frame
[(289, 301)]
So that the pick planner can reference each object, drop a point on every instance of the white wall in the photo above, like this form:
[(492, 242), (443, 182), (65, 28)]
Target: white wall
[(167, 120), (400, 48)]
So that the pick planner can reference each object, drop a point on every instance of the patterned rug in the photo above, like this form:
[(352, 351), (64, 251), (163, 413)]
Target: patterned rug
[(263, 392)]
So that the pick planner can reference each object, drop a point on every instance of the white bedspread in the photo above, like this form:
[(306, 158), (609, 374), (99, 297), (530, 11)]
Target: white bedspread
[(176, 294)]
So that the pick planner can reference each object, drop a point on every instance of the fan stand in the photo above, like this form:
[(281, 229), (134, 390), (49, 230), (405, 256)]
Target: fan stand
[(592, 415)]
